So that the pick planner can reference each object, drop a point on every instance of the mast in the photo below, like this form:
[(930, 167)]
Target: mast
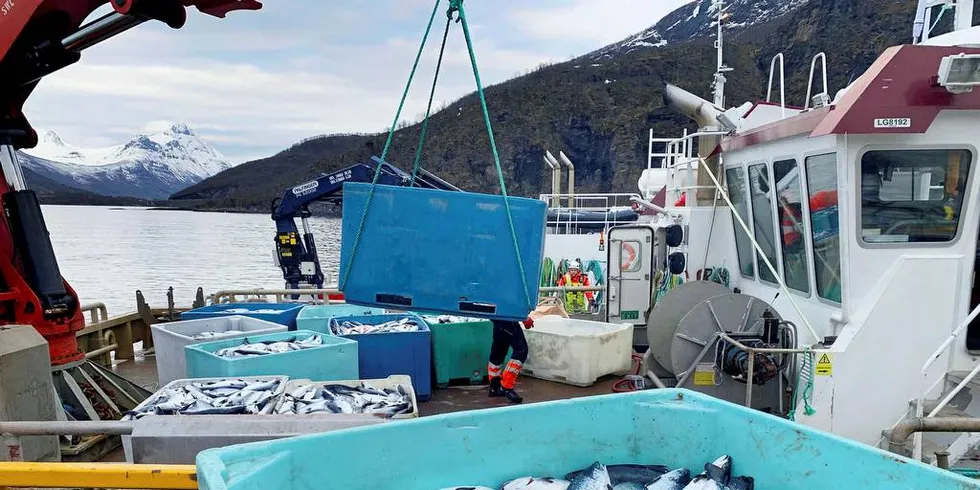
[(719, 81)]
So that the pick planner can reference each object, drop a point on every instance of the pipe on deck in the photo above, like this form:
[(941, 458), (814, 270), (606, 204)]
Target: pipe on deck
[(898, 436), (571, 174), (60, 428), (706, 115)]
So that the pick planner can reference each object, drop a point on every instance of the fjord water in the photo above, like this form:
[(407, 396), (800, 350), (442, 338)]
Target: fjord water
[(107, 253)]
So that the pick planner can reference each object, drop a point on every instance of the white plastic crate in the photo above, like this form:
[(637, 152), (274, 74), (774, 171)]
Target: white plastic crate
[(391, 382), (577, 352), (169, 339)]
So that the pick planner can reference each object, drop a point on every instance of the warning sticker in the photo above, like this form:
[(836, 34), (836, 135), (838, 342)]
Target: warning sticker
[(825, 365), (704, 375)]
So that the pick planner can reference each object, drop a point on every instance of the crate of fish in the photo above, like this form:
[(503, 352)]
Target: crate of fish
[(578, 352), (460, 347), (169, 339), (316, 318), (389, 398), (213, 396), (299, 354), (281, 313), (390, 344), (410, 233), (657, 439)]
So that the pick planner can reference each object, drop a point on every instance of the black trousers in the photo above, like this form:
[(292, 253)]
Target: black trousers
[(507, 335)]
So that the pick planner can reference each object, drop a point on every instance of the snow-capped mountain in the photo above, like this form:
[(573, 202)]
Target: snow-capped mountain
[(700, 19), (150, 166)]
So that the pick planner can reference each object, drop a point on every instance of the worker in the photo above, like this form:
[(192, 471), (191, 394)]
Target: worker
[(507, 335), (575, 301)]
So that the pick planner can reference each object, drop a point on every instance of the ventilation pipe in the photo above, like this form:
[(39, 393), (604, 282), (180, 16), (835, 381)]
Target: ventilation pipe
[(571, 175), (552, 162), (706, 115)]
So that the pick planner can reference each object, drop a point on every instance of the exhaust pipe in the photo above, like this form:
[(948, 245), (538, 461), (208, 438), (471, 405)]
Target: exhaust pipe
[(571, 175), (706, 115), (552, 162)]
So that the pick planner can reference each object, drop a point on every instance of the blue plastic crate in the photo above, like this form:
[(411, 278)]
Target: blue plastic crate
[(281, 313), (385, 354), (449, 252), (316, 318), (671, 427), (336, 359)]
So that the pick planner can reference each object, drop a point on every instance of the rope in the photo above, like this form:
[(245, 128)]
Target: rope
[(432, 95), (458, 5), (809, 358), (384, 153)]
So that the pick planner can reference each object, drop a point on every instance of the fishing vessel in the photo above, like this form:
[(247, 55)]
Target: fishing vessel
[(847, 220)]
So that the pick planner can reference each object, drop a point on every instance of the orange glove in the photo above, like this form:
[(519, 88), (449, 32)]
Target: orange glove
[(528, 323)]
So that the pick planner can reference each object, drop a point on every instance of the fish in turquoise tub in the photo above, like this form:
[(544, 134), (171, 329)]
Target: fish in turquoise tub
[(529, 483), (628, 473), (596, 477), (674, 480), (717, 476)]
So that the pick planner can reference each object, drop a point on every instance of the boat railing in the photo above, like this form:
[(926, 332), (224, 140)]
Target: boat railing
[(782, 81), (312, 296), (97, 311), (942, 349), (809, 86), (567, 207), (678, 155)]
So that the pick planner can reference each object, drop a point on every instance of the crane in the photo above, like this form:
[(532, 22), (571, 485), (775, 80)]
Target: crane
[(37, 38), (296, 255)]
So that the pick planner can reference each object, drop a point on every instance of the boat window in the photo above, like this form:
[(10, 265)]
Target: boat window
[(737, 193), (821, 183), (789, 206), (632, 259), (760, 188), (912, 196)]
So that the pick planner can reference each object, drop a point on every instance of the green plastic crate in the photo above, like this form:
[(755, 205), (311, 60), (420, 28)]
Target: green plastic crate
[(460, 350)]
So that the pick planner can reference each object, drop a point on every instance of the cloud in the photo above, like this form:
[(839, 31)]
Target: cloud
[(257, 82), (601, 21)]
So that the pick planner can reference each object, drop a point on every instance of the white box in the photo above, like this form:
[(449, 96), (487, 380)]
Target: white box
[(169, 339), (578, 352)]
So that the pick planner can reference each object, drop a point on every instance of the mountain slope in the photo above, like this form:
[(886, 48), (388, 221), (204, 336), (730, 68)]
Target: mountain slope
[(599, 108), (150, 166)]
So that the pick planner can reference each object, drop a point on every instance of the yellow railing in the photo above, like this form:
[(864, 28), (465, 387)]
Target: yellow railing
[(97, 475)]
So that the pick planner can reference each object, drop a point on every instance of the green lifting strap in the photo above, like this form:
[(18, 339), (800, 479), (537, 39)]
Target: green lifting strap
[(432, 95), (458, 5), (455, 6)]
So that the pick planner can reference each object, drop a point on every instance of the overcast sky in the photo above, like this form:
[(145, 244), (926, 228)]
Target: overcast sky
[(256, 82)]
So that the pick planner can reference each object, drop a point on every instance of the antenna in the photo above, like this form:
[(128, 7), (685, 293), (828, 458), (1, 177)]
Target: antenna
[(719, 81)]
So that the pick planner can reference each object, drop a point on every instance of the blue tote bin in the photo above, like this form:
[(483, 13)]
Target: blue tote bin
[(441, 251)]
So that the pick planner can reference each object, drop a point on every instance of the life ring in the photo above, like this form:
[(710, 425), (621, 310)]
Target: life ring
[(631, 251)]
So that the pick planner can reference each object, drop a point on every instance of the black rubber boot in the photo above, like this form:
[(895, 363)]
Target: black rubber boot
[(495, 389), (511, 395)]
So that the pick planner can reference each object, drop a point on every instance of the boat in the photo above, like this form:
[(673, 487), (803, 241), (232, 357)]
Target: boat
[(829, 249)]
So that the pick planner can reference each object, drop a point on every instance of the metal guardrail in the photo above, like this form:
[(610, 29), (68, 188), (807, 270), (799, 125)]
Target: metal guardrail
[(97, 311), (232, 295)]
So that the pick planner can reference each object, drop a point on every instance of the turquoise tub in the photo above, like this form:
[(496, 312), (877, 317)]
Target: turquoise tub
[(316, 318), (671, 427), (335, 360)]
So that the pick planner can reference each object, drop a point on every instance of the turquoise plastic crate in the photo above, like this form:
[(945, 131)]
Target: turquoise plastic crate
[(430, 250), (336, 359), (385, 354), (316, 318), (671, 427), (281, 313)]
